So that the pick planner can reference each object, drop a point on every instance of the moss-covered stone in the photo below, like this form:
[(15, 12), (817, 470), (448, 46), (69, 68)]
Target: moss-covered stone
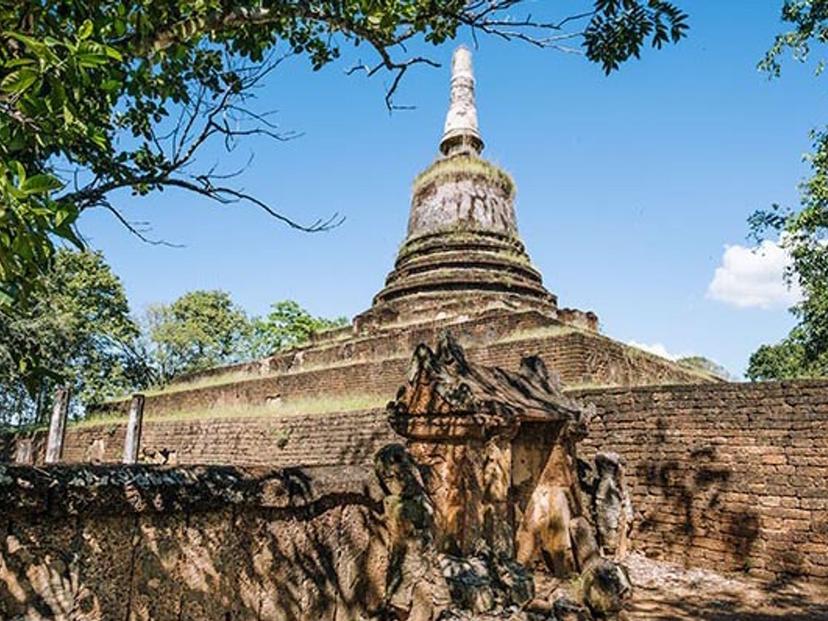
[(464, 165)]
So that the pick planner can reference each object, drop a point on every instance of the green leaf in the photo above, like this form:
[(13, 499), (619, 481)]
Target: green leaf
[(21, 173), (85, 30), (17, 82), (41, 184), (113, 53), (19, 62), (35, 46), (92, 59)]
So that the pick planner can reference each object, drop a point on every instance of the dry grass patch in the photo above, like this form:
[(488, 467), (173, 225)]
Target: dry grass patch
[(308, 406)]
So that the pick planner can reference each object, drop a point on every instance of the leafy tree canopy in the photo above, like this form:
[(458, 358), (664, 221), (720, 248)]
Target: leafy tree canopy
[(200, 330), (78, 325), (288, 325), (784, 360), (803, 231)]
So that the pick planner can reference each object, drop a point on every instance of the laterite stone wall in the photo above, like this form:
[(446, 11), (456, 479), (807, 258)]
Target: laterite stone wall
[(101, 543)]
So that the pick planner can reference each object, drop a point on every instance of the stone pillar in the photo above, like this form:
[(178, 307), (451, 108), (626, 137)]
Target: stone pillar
[(57, 425), (133, 432), (24, 452)]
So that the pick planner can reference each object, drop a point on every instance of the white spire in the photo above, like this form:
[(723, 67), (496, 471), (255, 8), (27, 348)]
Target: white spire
[(461, 132)]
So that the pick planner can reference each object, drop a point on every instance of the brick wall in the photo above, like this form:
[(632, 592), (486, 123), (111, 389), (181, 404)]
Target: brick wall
[(579, 358), (275, 441), (731, 476)]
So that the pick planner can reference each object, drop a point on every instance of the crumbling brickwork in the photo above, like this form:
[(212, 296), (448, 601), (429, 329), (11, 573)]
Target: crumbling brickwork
[(730, 474), (102, 543)]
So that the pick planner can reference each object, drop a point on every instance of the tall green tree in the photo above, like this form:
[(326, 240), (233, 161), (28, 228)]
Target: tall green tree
[(802, 230), (78, 324), (200, 330), (287, 325)]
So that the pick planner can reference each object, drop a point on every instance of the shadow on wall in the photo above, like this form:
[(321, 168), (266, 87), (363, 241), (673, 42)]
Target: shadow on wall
[(283, 552), (689, 511)]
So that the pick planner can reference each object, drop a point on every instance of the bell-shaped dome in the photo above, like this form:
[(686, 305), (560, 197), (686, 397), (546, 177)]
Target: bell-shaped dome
[(462, 253)]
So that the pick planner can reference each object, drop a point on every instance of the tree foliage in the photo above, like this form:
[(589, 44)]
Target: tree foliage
[(803, 231), (200, 330), (205, 329), (78, 325), (784, 360), (288, 325)]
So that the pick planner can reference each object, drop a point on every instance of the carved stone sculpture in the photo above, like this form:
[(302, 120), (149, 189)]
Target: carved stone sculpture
[(415, 587), (487, 488), (611, 505)]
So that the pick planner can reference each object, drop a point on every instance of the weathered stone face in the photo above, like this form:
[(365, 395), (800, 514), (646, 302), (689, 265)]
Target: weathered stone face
[(501, 443)]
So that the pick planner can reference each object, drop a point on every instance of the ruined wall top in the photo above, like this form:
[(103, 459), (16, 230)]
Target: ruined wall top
[(446, 394)]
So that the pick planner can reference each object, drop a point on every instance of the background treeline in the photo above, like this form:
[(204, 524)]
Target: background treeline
[(81, 328)]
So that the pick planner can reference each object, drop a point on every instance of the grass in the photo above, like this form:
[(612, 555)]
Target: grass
[(204, 382), (310, 406), (464, 165)]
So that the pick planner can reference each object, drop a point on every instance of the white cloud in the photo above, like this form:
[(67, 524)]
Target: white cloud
[(656, 348), (753, 277)]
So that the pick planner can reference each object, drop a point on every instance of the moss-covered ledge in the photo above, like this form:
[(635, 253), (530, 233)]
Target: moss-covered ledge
[(83, 489)]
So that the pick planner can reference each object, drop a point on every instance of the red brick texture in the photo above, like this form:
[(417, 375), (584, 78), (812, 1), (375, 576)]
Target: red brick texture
[(276, 441), (733, 476), (579, 357), (730, 476)]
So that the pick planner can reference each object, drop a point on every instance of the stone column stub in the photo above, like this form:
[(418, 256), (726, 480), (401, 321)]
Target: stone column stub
[(57, 425), (132, 441)]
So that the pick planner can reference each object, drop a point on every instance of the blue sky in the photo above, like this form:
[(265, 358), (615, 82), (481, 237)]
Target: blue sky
[(630, 187)]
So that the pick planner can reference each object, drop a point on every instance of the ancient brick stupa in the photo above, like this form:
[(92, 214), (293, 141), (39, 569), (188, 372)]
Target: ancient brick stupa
[(462, 269), (462, 250)]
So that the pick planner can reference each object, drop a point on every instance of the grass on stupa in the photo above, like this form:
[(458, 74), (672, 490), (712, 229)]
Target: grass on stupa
[(208, 381), (458, 165), (305, 406)]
